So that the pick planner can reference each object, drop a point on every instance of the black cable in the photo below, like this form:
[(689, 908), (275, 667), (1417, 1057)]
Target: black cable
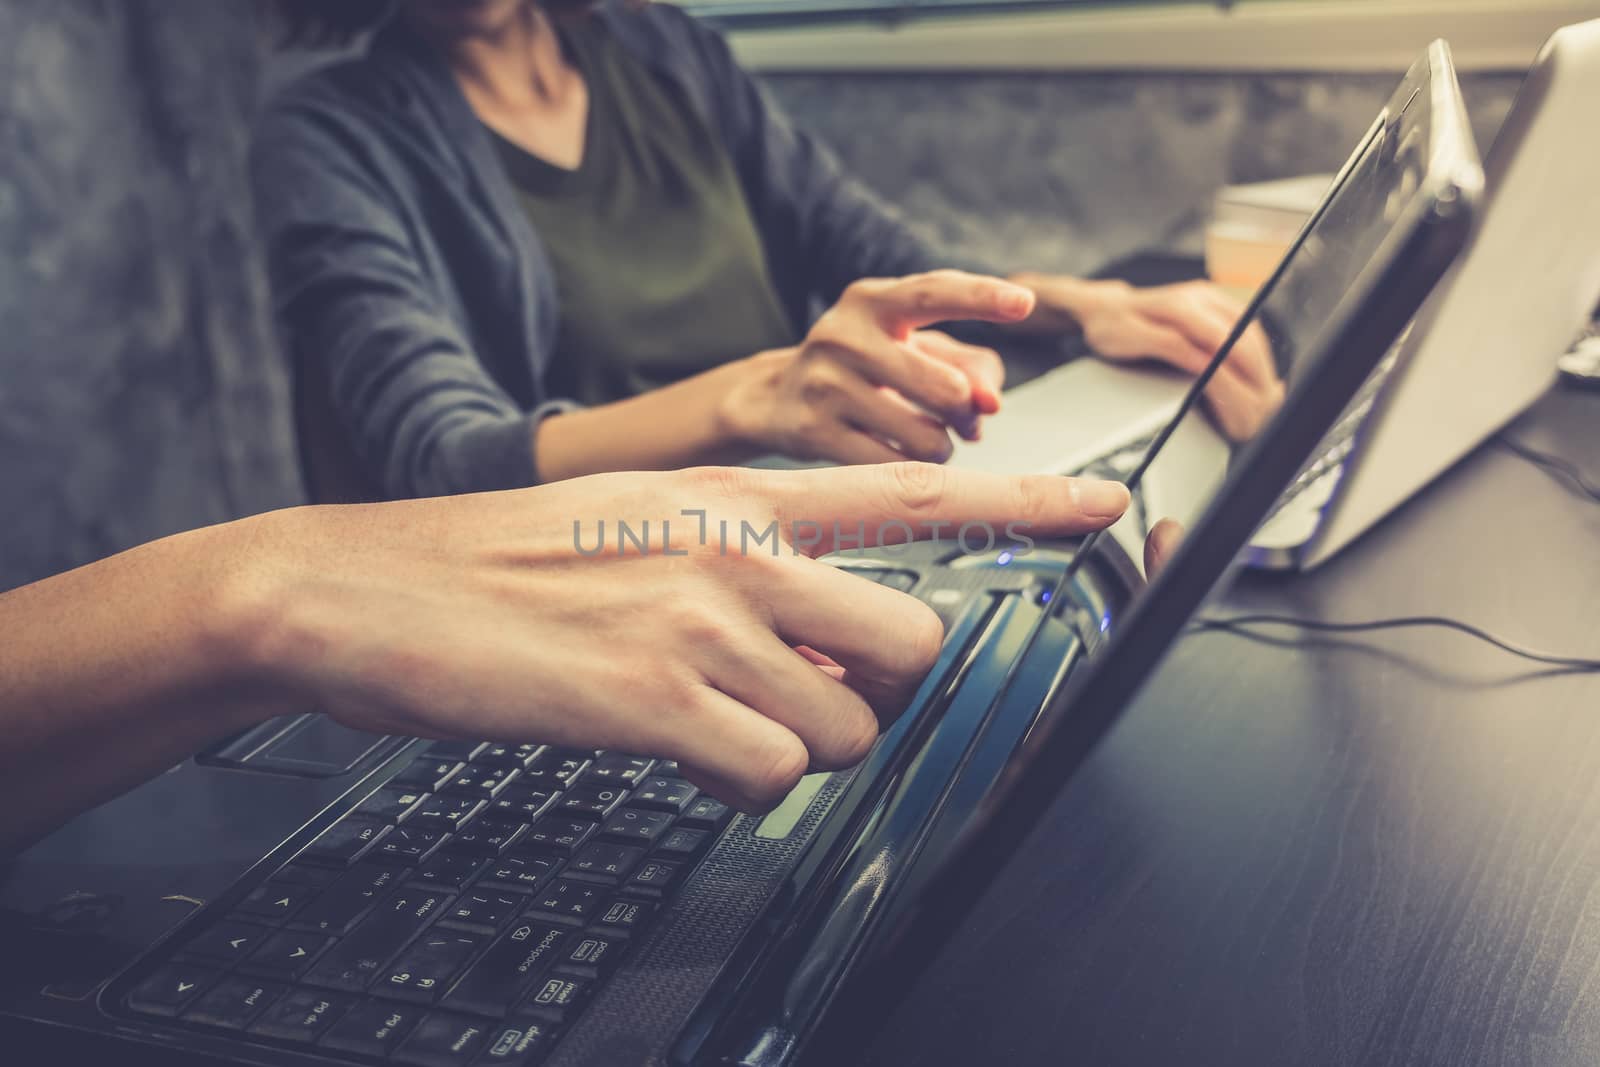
[(1554, 464), (1241, 625)]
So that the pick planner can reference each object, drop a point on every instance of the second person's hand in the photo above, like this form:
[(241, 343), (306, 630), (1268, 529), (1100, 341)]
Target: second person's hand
[(869, 384)]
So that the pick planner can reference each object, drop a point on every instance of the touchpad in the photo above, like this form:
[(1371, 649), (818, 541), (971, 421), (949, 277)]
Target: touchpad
[(306, 746)]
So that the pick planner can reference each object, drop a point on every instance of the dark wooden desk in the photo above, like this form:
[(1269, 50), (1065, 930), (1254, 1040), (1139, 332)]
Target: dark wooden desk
[(1383, 850)]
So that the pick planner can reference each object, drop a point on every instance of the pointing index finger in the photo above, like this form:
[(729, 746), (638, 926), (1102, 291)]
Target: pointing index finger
[(948, 295), (890, 503)]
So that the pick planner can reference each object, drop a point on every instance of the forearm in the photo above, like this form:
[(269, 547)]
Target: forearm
[(112, 672), (683, 425)]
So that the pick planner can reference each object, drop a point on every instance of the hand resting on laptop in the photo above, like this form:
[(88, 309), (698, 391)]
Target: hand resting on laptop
[(1182, 325)]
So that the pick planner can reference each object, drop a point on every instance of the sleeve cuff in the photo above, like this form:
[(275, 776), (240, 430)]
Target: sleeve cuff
[(487, 456)]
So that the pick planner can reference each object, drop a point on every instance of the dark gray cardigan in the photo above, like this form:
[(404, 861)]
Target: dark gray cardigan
[(411, 286)]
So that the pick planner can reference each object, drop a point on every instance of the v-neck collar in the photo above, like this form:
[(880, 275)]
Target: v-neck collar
[(531, 172)]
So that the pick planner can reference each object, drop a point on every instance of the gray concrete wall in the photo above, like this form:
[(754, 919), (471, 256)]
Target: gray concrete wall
[(1069, 171), (140, 392)]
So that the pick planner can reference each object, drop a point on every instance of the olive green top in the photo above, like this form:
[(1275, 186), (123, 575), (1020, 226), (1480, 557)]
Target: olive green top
[(660, 272)]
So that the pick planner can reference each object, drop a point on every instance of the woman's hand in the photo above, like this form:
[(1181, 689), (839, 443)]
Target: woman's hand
[(706, 633), (1182, 325), (868, 384)]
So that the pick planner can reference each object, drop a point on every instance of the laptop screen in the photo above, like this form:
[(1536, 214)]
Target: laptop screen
[(1241, 395)]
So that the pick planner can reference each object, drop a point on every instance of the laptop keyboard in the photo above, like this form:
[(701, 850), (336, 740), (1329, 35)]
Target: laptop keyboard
[(463, 913)]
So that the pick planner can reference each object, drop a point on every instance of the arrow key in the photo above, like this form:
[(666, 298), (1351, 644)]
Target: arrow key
[(227, 942), (275, 902), (285, 956), (170, 989)]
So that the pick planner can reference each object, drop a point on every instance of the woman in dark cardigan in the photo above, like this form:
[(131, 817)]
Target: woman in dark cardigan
[(509, 210)]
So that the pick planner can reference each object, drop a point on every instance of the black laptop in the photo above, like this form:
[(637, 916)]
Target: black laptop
[(305, 895)]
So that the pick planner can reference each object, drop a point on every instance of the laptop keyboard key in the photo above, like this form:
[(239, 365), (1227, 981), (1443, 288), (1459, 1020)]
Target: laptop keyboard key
[(301, 1015), (407, 846), (524, 1043), (618, 769), (275, 903), (424, 971), (706, 813), (461, 751), (285, 956), (428, 773), (355, 960), (299, 874), (592, 955), (515, 756), (637, 827), (624, 917), (443, 1040), (443, 813), (595, 801), (227, 942), (344, 842), (233, 1003), (512, 964), (485, 911), (372, 1028), (558, 833), (519, 872), (567, 900), (480, 781), (343, 904), (556, 768), (558, 998), (605, 862), (391, 804), (681, 844), (447, 870), (664, 794), (486, 836), (653, 881), (518, 803), (170, 989)]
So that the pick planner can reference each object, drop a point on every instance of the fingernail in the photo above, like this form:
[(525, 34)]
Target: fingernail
[(1015, 300), (1099, 499)]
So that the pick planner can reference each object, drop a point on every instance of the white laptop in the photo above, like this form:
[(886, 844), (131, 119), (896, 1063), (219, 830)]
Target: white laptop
[(1483, 348)]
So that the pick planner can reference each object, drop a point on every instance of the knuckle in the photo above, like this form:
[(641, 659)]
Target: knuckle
[(915, 489), (727, 483), (863, 289), (828, 330), (700, 626), (1033, 500), (821, 380)]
